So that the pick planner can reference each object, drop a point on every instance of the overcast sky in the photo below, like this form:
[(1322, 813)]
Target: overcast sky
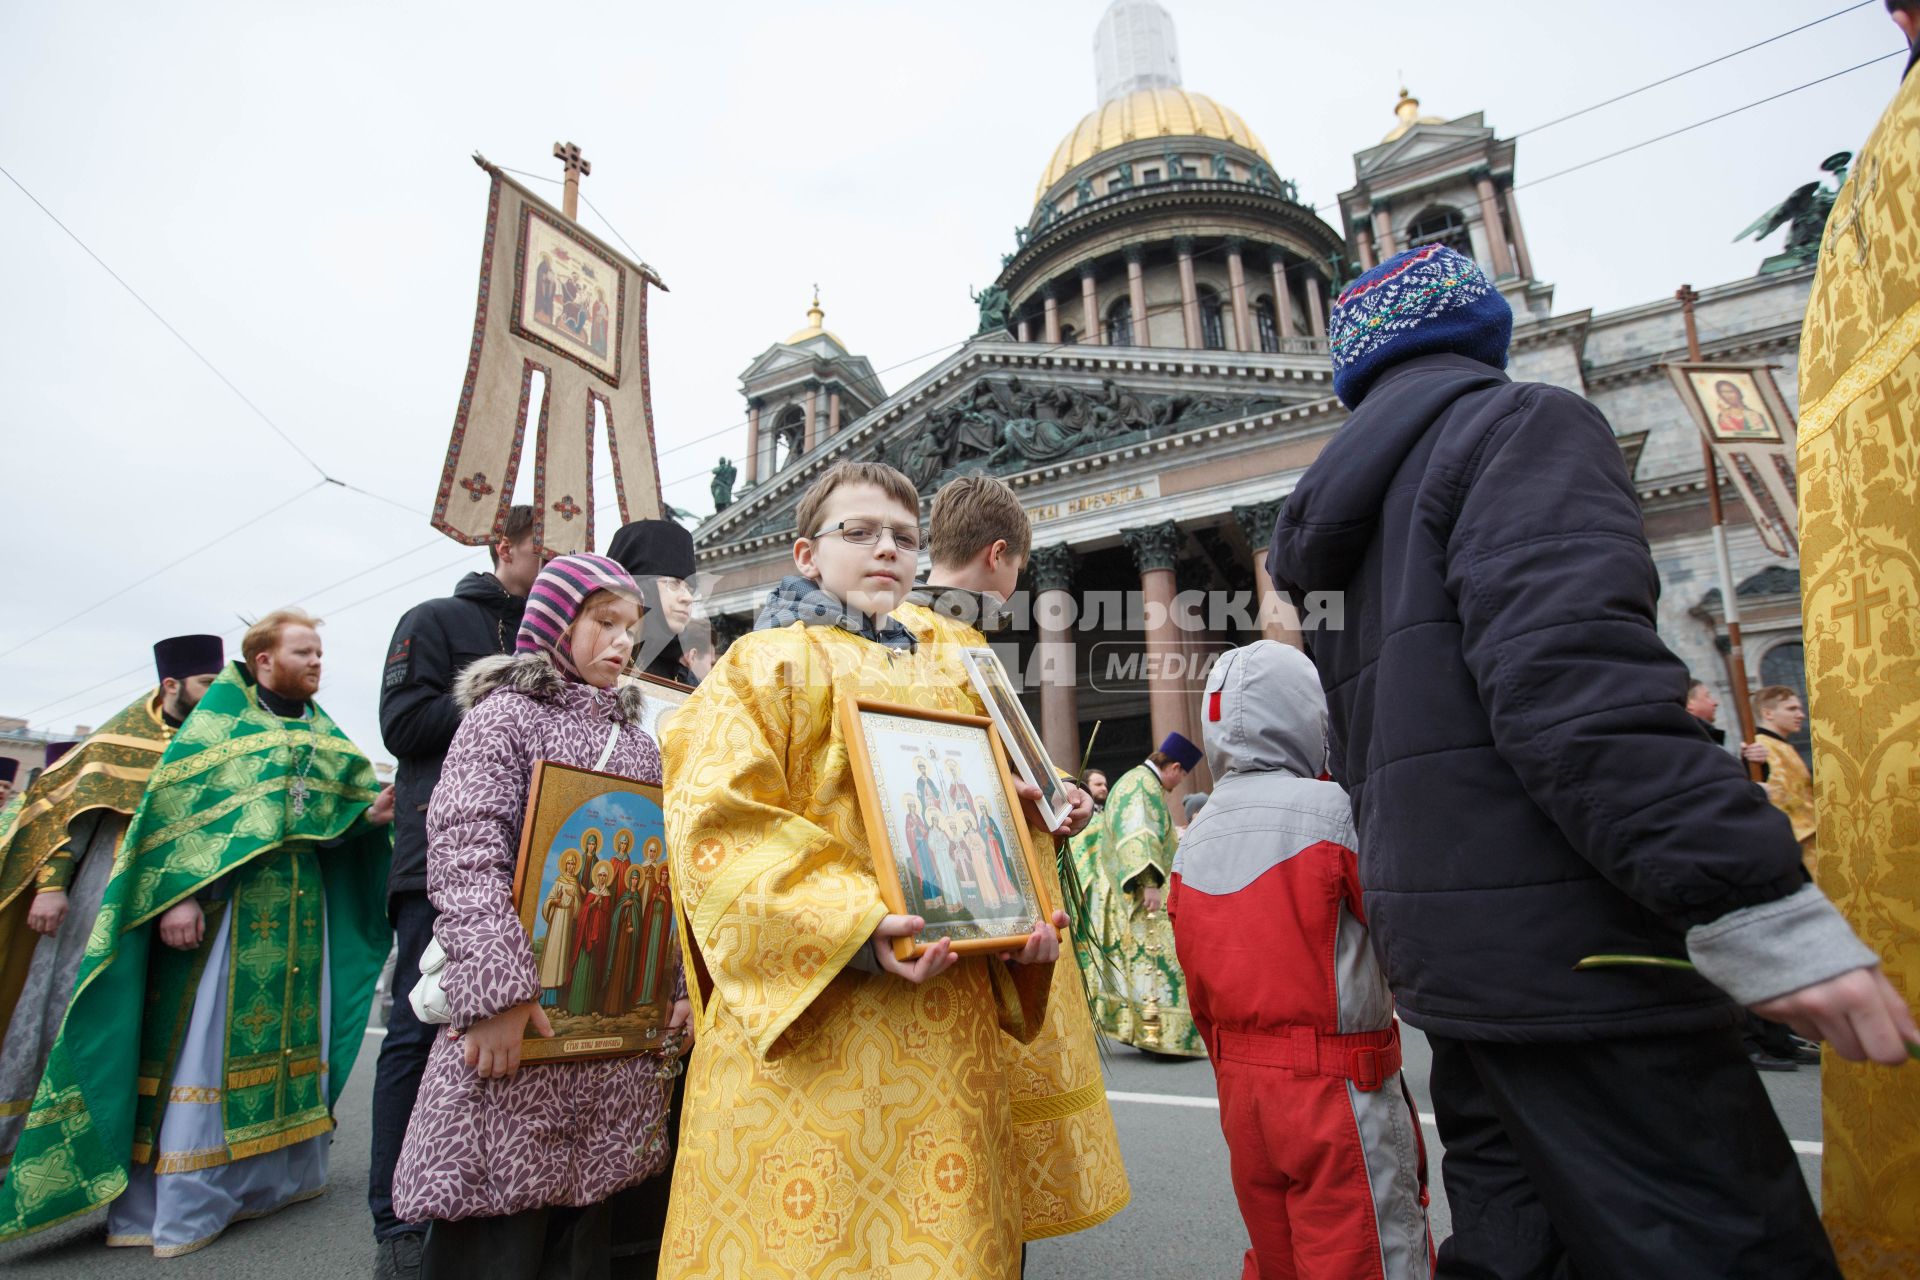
[(289, 186)]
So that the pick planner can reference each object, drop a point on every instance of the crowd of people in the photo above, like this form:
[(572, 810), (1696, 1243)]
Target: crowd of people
[(1494, 807)]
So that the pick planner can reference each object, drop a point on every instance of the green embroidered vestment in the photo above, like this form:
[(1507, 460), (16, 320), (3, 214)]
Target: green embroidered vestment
[(261, 817)]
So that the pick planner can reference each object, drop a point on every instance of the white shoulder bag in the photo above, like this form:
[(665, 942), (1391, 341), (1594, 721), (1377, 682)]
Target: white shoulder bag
[(429, 1001)]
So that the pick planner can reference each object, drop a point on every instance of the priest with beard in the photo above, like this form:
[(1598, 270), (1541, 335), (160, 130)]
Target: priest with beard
[(239, 938), (57, 853)]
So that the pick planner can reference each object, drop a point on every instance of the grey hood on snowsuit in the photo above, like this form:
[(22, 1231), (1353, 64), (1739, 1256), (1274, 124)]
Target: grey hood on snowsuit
[(1264, 720)]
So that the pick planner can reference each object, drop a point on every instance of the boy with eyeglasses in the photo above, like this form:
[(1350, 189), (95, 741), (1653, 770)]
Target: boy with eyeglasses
[(824, 1067)]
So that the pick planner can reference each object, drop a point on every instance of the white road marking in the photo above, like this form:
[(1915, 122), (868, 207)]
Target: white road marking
[(1164, 1099), (1213, 1104)]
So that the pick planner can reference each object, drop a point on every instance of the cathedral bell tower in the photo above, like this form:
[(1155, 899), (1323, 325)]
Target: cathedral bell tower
[(801, 393), (1433, 180)]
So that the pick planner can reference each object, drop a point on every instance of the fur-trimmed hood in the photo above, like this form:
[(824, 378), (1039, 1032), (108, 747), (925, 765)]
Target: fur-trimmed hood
[(534, 675)]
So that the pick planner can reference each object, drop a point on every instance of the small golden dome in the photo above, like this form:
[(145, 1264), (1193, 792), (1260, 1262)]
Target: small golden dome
[(1408, 111), (1146, 113), (814, 326)]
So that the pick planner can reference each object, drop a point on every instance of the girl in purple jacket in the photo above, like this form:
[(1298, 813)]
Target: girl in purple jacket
[(514, 1168)]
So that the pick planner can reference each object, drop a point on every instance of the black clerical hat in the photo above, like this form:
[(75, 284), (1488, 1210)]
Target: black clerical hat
[(178, 657), (9, 768), (1181, 748), (653, 549)]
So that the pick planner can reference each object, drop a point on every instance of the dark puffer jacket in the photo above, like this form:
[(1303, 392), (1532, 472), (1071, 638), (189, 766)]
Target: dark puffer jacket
[(1528, 787), (433, 644)]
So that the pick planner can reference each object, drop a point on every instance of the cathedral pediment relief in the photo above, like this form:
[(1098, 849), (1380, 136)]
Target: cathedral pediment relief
[(781, 356), (1007, 424), (1420, 142)]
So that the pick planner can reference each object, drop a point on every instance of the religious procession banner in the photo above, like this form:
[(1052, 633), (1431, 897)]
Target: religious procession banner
[(557, 301), (107, 771), (1741, 412), (235, 785)]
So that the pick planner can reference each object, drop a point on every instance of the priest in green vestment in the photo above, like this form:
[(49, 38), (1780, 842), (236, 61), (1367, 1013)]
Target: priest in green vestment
[(56, 856), (228, 977), (1128, 893)]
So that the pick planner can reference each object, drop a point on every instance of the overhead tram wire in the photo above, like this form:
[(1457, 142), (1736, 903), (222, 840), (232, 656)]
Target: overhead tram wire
[(111, 596), (1678, 75), (229, 383), (1058, 346), (212, 368), (1688, 128)]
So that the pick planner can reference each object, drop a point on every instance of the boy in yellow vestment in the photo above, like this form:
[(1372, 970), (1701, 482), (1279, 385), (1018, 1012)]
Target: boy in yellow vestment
[(1071, 1174), (846, 1112), (1778, 714)]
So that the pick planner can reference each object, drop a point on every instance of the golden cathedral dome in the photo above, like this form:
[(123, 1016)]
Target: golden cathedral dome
[(814, 327), (1407, 109), (1147, 113)]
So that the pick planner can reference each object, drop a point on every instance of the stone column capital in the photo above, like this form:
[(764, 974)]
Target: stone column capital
[(1256, 520), (1135, 253), (1053, 568), (1183, 245), (1089, 271), (1234, 244), (1480, 173), (1154, 546)]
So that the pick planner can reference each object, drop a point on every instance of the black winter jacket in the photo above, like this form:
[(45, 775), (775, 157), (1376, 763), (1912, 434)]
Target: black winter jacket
[(433, 644), (1528, 787)]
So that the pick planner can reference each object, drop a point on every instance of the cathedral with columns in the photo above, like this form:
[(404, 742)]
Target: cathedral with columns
[(1151, 375)]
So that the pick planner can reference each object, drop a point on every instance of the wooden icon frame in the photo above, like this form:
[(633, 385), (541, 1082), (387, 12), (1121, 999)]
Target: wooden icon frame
[(961, 871)]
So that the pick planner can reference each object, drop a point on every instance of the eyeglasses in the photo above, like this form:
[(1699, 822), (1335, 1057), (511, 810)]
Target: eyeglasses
[(864, 533)]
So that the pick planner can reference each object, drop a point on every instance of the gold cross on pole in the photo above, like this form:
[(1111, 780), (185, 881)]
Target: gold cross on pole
[(578, 167)]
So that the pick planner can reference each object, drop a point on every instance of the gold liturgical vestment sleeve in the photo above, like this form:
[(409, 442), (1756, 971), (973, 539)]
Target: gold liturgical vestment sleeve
[(837, 1121), (1860, 582)]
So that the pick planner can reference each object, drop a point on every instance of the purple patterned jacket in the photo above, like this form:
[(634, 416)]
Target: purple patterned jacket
[(564, 1133)]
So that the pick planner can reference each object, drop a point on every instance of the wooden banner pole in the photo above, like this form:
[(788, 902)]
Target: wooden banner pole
[(1730, 602)]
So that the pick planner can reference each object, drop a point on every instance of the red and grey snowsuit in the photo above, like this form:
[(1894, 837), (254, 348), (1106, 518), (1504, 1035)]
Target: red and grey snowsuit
[(1328, 1162)]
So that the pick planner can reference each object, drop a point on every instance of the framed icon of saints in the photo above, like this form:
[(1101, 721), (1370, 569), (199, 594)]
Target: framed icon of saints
[(591, 888), (944, 825)]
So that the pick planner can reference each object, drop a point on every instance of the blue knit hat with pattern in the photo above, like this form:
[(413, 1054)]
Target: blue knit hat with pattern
[(1418, 303)]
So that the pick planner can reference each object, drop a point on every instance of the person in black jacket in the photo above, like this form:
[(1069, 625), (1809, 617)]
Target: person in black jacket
[(434, 642), (1530, 791)]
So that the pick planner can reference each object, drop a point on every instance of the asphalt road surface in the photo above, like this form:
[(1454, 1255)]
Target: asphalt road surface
[(1182, 1223)]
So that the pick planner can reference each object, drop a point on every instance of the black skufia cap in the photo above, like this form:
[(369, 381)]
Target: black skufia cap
[(653, 549), (178, 657)]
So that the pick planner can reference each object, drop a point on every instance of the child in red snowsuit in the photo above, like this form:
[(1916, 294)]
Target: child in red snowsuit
[(1328, 1161)]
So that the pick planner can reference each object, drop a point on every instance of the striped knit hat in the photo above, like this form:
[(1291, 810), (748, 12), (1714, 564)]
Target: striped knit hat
[(555, 602), (1418, 303)]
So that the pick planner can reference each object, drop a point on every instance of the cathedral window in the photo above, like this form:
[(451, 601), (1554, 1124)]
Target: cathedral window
[(1263, 320), (1213, 321), (1440, 225), (789, 437), (1149, 175), (1120, 323)]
